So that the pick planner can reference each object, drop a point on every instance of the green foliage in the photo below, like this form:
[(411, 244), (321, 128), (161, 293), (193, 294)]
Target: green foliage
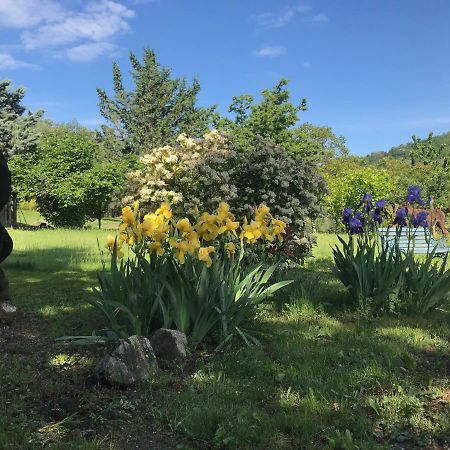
[(427, 283), (424, 162), (373, 274), (101, 181), (17, 129), (139, 295), (65, 177), (276, 118), (156, 111), (347, 185), (383, 277)]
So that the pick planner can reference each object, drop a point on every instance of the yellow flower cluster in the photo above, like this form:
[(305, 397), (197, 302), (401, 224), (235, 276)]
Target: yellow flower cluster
[(162, 234)]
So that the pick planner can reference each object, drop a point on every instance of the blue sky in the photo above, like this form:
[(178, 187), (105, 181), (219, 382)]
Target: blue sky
[(375, 71)]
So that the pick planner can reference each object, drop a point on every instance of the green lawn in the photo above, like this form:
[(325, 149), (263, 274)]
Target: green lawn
[(322, 369)]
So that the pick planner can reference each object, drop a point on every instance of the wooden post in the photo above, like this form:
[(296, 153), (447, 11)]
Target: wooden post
[(8, 215)]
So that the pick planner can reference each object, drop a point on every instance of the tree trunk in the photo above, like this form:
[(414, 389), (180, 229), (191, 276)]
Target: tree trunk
[(8, 215)]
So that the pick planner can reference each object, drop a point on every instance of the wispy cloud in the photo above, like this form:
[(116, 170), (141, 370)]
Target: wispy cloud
[(28, 13), (321, 17), (281, 18), (88, 52), (270, 51), (79, 34), (8, 62), (99, 22)]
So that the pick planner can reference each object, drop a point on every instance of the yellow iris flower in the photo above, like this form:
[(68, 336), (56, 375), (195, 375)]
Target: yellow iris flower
[(111, 241), (251, 232), (156, 247), (183, 225), (207, 227), (127, 216), (164, 210), (203, 255), (230, 247)]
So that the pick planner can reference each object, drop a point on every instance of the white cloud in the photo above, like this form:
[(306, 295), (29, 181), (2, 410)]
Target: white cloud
[(270, 51), (280, 19), (100, 21), (28, 13), (321, 17), (89, 51), (9, 62)]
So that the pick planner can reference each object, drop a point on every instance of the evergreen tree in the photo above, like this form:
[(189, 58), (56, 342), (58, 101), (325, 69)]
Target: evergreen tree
[(17, 129), (156, 111), (17, 135)]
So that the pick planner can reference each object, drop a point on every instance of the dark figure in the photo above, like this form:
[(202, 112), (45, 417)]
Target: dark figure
[(6, 244), (7, 309)]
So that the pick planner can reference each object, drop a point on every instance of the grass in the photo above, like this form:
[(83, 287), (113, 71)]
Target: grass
[(322, 370)]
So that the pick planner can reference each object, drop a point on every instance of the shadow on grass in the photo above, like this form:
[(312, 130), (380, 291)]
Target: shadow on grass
[(320, 371), (48, 261)]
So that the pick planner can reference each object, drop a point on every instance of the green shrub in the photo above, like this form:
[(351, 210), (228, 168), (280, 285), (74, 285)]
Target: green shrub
[(139, 295), (202, 173), (384, 278), (67, 176)]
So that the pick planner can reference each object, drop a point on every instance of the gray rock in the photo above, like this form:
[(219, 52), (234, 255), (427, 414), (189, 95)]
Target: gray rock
[(131, 362), (169, 345), (8, 312)]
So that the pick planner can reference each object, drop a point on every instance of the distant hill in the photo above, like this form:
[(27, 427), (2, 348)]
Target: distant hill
[(402, 151)]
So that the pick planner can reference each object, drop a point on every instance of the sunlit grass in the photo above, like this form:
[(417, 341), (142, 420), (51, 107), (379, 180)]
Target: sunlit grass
[(321, 370)]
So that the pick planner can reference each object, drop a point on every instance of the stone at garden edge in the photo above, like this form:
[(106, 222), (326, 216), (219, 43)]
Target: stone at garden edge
[(131, 362), (7, 312), (169, 345)]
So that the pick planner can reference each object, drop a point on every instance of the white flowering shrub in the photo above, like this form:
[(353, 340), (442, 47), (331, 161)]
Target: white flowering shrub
[(202, 173)]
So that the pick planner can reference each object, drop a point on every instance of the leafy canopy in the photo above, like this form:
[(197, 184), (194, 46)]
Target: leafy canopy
[(68, 175), (275, 117)]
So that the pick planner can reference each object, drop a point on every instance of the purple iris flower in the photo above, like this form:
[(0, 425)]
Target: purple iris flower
[(367, 202), (400, 217), (414, 195), (420, 220), (376, 216), (381, 204), (355, 226), (347, 214), (359, 216)]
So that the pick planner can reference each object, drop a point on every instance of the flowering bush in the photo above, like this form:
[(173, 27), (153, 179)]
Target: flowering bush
[(204, 173), (382, 277), (185, 275), (160, 233), (346, 186)]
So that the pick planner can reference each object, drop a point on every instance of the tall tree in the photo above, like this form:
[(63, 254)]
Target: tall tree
[(17, 135), (156, 111), (276, 117), (17, 129)]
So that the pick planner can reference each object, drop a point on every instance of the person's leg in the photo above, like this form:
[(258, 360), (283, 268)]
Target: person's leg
[(6, 243)]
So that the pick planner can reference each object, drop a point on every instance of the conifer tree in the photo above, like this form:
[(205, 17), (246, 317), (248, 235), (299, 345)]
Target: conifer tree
[(156, 111)]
